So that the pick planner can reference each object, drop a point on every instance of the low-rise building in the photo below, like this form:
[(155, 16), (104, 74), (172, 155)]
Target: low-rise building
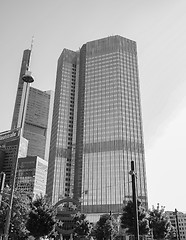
[(181, 220)]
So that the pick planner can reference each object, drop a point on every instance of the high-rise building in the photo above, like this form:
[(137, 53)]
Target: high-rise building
[(59, 176), (97, 126), (21, 91), (37, 117)]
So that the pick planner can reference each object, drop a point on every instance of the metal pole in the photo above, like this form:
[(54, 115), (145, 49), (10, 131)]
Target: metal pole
[(177, 224), (24, 105), (134, 201), (9, 212), (110, 223), (28, 79), (2, 183)]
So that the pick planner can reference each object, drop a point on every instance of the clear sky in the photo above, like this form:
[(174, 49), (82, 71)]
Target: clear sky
[(158, 27)]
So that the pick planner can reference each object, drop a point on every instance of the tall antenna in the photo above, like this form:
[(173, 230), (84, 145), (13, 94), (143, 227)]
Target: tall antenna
[(32, 43), (31, 48)]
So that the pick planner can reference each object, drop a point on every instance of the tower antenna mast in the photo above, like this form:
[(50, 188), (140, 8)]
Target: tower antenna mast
[(31, 49)]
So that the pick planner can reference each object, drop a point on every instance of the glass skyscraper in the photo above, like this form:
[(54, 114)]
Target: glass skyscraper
[(97, 126)]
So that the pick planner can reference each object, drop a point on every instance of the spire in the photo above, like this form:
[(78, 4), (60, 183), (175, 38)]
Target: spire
[(31, 49), (32, 43)]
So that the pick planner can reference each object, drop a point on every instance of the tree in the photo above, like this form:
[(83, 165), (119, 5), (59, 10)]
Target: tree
[(41, 219), (20, 210), (82, 226), (172, 234), (159, 223), (106, 227), (128, 219)]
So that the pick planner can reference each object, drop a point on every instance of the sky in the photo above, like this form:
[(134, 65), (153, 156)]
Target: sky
[(158, 27)]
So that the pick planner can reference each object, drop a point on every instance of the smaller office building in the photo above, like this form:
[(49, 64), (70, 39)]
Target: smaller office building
[(32, 175), (12, 146)]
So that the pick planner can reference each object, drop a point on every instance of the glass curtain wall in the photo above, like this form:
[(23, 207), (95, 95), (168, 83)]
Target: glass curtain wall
[(60, 158), (112, 127)]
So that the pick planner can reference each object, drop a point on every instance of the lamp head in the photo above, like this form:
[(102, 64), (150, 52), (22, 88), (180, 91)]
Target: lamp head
[(27, 77)]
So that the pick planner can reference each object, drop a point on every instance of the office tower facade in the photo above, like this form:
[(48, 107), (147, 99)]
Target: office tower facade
[(97, 126), (59, 179), (36, 120), (32, 175)]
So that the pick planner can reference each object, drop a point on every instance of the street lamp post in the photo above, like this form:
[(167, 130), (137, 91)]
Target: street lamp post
[(177, 224), (2, 183), (133, 174), (110, 223), (27, 78)]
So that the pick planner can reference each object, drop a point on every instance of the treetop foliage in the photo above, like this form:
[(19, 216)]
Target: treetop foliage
[(159, 222), (41, 218), (37, 219), (82, 226), (20, 210), (128, 219), (106, 227)]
